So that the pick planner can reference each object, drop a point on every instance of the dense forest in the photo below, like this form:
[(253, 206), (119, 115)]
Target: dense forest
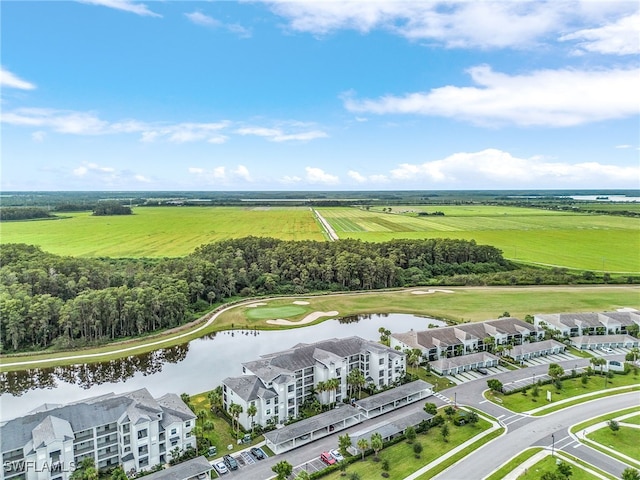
[(48, 300), (23, 213), (111, 207)]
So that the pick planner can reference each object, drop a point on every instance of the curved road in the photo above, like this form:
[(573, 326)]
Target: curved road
[(522, 432)]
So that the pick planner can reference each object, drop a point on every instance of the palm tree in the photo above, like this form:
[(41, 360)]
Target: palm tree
[(235, 410), (488, 343), (363, 444), (333, 384), (320, 388), (251, 411), (215, 398), (376, 443)]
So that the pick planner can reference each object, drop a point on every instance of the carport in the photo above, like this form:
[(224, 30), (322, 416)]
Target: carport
[(388, 429), (191, 469), (300, 433), (394, 398), (594, 342), (536, 349), (463, 363)]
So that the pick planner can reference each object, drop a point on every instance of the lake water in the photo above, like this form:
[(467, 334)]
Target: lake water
[(195, 367), (605, 198)]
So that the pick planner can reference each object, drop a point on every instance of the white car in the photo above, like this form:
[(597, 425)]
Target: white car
[(607, 349), (336, 455), (221, 468)]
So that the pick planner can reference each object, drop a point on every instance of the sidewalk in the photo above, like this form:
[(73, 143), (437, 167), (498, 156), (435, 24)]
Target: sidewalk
[(567, 400), (582, 437), (494, 426)]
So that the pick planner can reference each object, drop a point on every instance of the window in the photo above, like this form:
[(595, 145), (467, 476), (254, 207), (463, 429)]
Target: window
[(381, 361), (143, 450), (174, 431), (144, 462), (174, 443), (142, 433), (187, 424), (268, 411), (268, 401), (290, 388)]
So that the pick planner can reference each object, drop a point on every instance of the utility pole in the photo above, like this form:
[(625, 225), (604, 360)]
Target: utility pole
[(553, 443)]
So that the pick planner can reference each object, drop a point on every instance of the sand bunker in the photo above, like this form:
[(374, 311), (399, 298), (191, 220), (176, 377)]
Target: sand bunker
[(254, 305), (300, 302), (308, 319), (427, 292)]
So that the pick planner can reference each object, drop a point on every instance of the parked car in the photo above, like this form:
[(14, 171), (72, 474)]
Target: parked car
[(256, 452), (482, 371), (231, 462), (327, 458), (607, 349), (335, 453), (220, 468)]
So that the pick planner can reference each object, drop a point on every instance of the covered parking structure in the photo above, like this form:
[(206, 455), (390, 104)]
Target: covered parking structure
[(464, 363), (300, 433), (536, 349), (388, 429), (595, 342), (394, 398), (195, 469)]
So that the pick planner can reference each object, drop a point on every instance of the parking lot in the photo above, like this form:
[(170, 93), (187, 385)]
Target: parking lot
[(244, 459), (474, 375), (310, 466), (614, 351), (546, 359)]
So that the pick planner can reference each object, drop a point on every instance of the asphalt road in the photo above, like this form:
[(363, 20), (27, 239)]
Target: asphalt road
[(522, 431)]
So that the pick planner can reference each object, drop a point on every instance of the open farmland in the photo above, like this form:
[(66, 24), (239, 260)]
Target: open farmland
[(573, 240), (160, 231)]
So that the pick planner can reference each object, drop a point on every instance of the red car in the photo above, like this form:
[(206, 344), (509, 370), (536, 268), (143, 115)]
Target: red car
[(327, 458)]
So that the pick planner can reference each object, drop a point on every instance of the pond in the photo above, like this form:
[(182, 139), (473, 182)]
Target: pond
[(194, 367)]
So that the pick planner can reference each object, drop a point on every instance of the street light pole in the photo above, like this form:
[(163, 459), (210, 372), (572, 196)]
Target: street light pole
[(455, 399), (553, 443)]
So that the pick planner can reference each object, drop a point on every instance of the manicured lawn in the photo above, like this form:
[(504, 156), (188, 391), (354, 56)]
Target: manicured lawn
[(518, 402), (548, 464), (439, 383), (284, 311), (513, 464), (573, 240), (635, 420), (221, 435), (160, 231), (624, 440), (577, 428), (401, 458)]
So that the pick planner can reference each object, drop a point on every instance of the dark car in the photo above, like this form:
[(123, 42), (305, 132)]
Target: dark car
[(231, 462), (482, 371), (256, 452)]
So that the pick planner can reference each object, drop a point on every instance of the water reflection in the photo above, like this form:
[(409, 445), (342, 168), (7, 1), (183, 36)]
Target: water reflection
[(195, 367)]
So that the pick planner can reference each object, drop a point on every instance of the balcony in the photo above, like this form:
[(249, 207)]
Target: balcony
[(82, 436), (104, 441), (111, 428), (84, 449)]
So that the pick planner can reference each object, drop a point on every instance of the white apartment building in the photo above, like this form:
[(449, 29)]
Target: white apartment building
[(592, 323), (279, 383), (132, 429)]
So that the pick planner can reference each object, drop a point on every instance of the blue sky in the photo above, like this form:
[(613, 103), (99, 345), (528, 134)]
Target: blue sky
[(384, 95)]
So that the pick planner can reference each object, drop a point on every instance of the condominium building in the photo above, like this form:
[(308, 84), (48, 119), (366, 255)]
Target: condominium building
[(132, 429), (592, 323), (446, 342), (279, 383)]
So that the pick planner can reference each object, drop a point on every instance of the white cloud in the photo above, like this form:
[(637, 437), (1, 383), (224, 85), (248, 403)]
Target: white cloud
[(221, 174), (481, 24), (87, 123), (278, 135), (200, 18), (124, 5), (142, 178), (39, 136), (317, 175), (624, 146), (493, 168), (557, 98), (289, 179), (10, 80), (617, 38), (92, 168), (356, 176)]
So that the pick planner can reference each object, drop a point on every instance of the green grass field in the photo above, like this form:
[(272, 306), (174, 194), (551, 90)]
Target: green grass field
[(161, 231), (528, 235), (624, 440), (548, 464)]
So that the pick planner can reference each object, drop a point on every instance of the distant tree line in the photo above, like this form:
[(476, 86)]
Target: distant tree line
[(111, 207), (47, 300), (23, 213)]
